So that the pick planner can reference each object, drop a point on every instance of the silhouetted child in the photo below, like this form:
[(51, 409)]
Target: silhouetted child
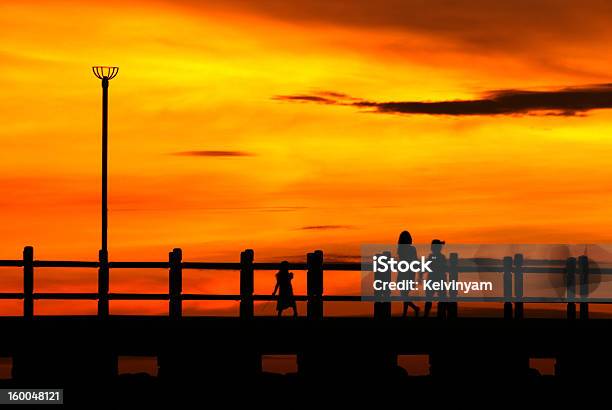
[(285, 290), (439, 268), (407, 252)]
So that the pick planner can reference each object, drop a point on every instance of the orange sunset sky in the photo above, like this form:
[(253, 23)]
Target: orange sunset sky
[(266, 125)]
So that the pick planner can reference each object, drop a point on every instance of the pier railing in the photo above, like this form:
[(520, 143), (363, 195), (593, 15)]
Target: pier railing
[(575, 271)]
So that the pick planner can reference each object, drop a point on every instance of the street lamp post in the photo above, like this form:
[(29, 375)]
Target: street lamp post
[(105, 74)]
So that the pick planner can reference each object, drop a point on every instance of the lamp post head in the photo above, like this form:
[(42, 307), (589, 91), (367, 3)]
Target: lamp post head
[(104, 72)]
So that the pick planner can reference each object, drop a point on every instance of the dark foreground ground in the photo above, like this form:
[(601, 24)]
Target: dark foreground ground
[(350, 359)]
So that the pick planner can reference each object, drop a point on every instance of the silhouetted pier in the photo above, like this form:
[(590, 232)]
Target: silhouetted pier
[(66, 349)]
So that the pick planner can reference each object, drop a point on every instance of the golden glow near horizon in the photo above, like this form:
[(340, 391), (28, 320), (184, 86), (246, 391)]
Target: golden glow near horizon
[(303, 176)]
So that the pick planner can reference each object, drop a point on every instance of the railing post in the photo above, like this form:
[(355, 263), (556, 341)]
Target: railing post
[(570, 285), (453, 274), (103, 287), (314, 284), (507, 287), (247, 283), (28, 281), (583, 265), (382, 306), (175, 285), (518, 285)]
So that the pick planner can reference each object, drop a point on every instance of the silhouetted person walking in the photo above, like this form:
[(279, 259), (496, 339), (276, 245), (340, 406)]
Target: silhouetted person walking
[(407, 252), (285, 290), (439, 269)]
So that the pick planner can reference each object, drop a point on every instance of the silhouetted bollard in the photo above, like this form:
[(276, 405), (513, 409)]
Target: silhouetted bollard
[(570, 287), (314, 284), (28, 281), (382, 308), (583, 265), (452, 310), (518, 285), (247, 283), (507, 278), (175, 283), (103, 279)]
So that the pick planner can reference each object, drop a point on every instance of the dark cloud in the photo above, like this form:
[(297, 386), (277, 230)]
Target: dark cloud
[(337, 96), (567, 101), (207, 153), (324, 227)]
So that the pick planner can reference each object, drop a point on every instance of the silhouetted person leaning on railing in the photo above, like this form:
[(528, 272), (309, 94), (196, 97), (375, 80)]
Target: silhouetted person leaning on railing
[(439, 269), (285, 290), (406, 252)]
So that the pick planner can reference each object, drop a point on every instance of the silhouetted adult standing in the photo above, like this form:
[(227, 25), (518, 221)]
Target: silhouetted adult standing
[(285, 290), (407, 252), (439, 269)]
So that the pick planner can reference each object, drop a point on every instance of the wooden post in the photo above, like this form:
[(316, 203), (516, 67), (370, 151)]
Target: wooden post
[(382, 306), (314, 284), (175, 283), (507, 287), (583, 265), (570, 285), (247, 282), (453, 275), (518, 285), (103, 286), (28, 281)]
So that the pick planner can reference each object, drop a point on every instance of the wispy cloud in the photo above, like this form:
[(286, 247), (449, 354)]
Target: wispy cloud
[(565, 101), (212, 208), (320, 97), (306, 98), (328, 257), (324, 227), (212, 153), (521, 26)]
